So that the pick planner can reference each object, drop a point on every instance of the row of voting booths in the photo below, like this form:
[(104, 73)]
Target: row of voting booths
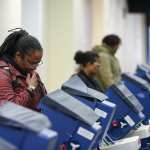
[(75, 117)]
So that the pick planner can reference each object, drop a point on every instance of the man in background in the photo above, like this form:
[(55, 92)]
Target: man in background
[(109, 70)]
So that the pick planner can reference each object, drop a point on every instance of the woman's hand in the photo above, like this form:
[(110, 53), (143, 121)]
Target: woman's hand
[(32, 81)]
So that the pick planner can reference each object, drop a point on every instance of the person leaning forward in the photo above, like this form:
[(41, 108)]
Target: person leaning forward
[(20, 55)]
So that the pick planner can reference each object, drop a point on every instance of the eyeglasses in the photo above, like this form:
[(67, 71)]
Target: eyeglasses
[(40, 63), (35, 64), (32, 61)]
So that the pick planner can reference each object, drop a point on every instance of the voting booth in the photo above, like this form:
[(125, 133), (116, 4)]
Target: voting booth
[(25, 129), (129, 111), (77, 124), (92, 98)]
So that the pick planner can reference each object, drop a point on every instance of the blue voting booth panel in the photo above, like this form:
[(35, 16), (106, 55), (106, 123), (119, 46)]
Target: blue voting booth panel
[(5, 145), (143, 71), (69, 118), (129, 111), (94, 99), (25, 129), (26, 140), (141, 89)]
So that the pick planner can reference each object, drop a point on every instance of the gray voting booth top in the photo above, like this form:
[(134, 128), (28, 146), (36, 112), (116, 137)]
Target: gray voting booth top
[(4, 145), (67, 104), (128, 97), (145, 67), (143, 83), (15, 115), (76, 86)]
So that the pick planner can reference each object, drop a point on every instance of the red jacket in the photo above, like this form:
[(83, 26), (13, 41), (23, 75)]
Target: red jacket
[(13, 87)]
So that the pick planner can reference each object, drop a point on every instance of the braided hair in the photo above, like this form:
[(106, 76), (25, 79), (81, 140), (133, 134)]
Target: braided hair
[(19, 41)]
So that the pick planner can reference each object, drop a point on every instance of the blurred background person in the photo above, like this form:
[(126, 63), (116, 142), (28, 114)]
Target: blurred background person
[(110, 71), (89, 64)]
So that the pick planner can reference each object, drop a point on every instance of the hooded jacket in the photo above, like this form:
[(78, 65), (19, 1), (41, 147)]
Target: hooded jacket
[(109, 70)]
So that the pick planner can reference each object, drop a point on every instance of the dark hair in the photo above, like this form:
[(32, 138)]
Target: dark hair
[(85, 57), (19, 41), (111, 40)]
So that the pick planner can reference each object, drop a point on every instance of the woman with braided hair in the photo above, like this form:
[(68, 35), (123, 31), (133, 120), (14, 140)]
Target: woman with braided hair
[(20, 55)]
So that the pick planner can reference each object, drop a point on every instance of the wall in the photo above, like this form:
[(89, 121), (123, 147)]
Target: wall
[(32, 17), (67, 28), (98, 21), (82, 18), (131, 29), (58, 41), (10, 16)]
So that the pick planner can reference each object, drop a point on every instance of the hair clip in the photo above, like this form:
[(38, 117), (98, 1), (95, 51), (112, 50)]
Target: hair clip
[(15, 29)]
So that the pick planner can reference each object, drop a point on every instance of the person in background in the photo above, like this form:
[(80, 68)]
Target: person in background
[(20, 55), (110, 71), (88, 62)]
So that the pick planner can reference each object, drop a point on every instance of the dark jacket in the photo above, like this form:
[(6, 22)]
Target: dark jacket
[(13, 87), (91, 82)]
